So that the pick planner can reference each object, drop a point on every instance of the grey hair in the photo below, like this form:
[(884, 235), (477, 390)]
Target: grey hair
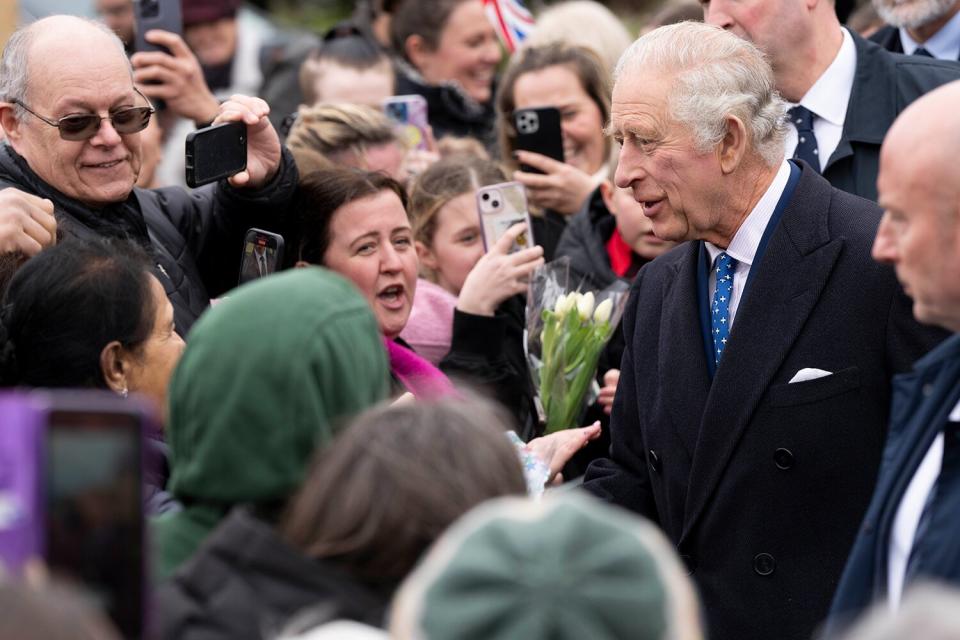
[(14, 71), (715, 74)]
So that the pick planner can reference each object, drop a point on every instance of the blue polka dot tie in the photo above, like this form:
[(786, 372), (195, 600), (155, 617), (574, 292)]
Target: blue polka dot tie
[(724, 266), (802, 119)]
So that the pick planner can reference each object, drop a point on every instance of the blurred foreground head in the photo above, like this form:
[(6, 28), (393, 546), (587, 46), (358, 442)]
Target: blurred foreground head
[(561, 568)]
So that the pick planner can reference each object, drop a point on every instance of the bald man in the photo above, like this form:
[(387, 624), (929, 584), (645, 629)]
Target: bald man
[(73, 118), (912, 530)]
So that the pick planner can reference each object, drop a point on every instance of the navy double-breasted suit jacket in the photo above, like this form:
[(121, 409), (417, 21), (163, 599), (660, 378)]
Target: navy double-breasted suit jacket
[(761, 484)]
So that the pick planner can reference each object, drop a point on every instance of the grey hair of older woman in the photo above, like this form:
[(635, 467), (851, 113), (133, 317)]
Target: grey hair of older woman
[(714, 74)]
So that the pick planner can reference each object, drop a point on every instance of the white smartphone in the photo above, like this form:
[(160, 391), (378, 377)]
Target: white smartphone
[(501, 206)]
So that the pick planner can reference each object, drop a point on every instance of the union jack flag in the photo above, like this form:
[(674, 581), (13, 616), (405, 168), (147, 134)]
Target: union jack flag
[(511, 19)]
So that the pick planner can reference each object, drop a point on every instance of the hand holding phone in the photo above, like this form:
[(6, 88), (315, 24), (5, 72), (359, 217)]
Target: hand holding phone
[(264, 153), (499, 274), (174, 76)]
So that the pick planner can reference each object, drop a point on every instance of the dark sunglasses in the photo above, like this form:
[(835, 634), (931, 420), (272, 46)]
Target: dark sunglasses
[(77, 127)]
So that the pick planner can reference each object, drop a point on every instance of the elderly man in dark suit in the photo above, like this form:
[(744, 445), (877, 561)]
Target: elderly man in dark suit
[(752, 404), (845, 91), (911, 531)]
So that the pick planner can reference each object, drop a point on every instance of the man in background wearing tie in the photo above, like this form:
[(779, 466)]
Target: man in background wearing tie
[(845, 91), (755, 384), (912, 529), (920, 27)]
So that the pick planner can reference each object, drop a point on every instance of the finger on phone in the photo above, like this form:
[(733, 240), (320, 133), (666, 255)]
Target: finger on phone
[(525, 256), (533, 181), (239, 179), (538, 161), (509, 236), (173, 42)]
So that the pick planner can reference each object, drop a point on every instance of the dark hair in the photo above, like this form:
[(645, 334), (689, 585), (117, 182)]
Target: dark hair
[(66, 304), (425, 18), (321, 193), (584, 63), (345, 45), (395, 479)]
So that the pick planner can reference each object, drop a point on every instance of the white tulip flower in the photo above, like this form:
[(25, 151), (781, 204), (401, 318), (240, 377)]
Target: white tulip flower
[(603, 311), (585, 303)]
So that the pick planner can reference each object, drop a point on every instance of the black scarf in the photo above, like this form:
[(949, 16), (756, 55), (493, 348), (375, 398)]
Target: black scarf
[(115, 220)]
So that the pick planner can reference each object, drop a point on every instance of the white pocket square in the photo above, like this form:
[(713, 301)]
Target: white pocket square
[(809, 374)]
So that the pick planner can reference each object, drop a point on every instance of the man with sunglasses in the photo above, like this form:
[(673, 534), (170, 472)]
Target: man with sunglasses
[(73, 118)]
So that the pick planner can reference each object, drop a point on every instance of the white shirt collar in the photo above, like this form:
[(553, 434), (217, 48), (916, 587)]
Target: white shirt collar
[(746, 241), (830, 94), (944, 44)]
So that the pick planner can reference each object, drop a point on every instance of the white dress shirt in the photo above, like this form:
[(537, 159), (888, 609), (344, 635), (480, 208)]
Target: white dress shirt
[(908, 515), (828, 99), (746, 241), (944, 44)]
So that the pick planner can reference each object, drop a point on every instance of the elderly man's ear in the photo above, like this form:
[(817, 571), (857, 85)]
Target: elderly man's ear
[(9, 121), (733, 147)]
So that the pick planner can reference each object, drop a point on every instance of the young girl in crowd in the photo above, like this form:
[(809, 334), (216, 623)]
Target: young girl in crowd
[(467, 296), (449, 54), (573, 80)]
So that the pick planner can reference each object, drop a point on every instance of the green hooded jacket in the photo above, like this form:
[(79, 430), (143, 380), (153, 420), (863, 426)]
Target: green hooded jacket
[(269, 375)]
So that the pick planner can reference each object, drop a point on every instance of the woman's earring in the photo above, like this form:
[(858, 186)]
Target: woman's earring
[(123, 392)]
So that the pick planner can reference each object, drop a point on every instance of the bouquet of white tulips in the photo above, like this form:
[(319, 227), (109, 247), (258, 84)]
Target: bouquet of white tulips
[(566, 332)]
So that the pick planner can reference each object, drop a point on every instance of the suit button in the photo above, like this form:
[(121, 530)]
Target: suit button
[(655, 461), (764, 564), (690, 563), (783, 458)]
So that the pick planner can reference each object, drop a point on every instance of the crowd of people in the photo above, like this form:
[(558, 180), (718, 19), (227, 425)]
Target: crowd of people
[(354, 446)]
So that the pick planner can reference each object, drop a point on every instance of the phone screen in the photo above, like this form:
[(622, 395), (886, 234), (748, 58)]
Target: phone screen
[(94, 515), (260, 256)]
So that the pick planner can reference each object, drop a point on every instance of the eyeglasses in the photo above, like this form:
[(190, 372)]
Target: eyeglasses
[(84, 126)]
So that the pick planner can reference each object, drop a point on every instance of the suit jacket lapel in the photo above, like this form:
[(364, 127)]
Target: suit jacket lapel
[(686, 382), (784, 289)]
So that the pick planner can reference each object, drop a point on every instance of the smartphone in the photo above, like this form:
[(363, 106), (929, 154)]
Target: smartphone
[(262, 254), (410, 112), (501, 206), (216, 152), (156, 14), (538, 130), (71, 493)]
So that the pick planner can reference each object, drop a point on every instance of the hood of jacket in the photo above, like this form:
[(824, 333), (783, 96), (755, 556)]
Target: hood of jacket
[(270, 375)]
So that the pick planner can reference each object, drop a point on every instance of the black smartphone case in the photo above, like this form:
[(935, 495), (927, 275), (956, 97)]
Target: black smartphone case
[(156, 14), (538, 130), (215, 152)]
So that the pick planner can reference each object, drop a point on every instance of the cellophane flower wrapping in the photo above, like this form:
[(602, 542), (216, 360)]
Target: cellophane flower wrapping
[(567, 330)]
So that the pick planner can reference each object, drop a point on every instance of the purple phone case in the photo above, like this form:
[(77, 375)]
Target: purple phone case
[(21, 515), (24, 416)]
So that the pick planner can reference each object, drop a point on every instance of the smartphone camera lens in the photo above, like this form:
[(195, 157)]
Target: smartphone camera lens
[(496, 204), (485, 197)]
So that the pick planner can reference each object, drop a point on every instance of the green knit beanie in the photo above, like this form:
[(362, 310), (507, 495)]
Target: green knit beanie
[(568, 567)]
